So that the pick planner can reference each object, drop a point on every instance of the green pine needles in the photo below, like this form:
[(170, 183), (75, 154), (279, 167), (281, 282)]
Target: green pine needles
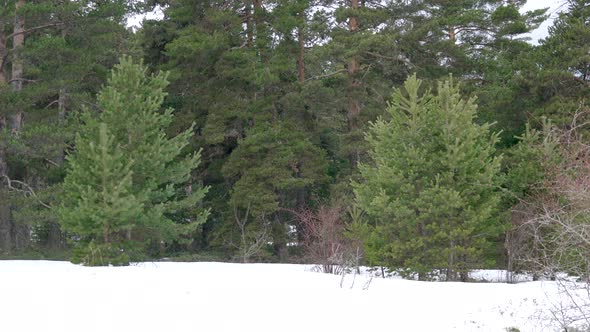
[(128, 183), (430, 190)]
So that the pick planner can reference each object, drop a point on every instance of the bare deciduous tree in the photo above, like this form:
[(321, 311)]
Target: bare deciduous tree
[(551, 227), (251, 243), (324, 240)]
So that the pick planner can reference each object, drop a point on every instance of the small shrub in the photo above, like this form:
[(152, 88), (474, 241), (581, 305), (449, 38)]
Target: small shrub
[(100, 255)]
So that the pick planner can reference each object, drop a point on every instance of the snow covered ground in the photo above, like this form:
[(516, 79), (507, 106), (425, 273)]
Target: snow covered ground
[(59, 296)]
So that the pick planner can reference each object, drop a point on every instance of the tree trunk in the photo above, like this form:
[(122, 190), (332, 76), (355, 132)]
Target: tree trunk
[(18, 41), (354, 108), (61, 118), (248, 20), (107, 234), (451, 268), (16, 122), (301, 58), (261, 35), (6, 225), (11, 236), (452, 34), (257, 16), (3, 165), (61, 106), (3, 52), (5, 221), (422, 276), (464, 274), (55, 239), (257, 6)]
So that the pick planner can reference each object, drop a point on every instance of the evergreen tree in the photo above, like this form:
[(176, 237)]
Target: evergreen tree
[(560, 85), (363, 60), (484, 43), (274, 167), (126, 166), (59, 53), (99, 182), (461, 34), (249, 60), (430, 188)]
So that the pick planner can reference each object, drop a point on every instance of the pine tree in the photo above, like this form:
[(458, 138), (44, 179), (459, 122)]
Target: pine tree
[(54, 56), (126, 166), (429, 190), (561, 83), (248, 58), (99, 182), (274, 167), (462, 33)]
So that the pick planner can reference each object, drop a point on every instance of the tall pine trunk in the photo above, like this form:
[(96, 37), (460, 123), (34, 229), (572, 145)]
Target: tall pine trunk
[(248, 21), (3, 52), (354, 107), (261, 31), (5, 220), (8, 230), (18, 41), (16, 80), (301, 57), (452, 34)]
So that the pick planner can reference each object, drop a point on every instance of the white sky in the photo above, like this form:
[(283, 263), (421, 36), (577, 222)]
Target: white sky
[(135, 21), (555, 6)]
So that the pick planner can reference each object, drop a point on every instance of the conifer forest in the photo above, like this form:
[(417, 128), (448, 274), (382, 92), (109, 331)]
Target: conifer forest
[(428, 137)]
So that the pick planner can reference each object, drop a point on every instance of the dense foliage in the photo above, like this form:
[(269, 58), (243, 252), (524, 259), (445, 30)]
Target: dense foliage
[(126, 181), (280, 107), (430, 187)]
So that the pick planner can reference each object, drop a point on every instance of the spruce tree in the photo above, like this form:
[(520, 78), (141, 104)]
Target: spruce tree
[(430, 188), (127, 180)]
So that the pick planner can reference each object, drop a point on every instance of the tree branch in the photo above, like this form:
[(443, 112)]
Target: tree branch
[(27, 190), (326, 75), (34, 29), (22, 80)]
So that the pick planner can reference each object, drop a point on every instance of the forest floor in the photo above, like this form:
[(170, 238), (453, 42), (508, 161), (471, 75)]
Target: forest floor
[(59, 296)]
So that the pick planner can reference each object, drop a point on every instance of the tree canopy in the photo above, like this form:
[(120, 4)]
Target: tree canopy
[(283, 115)]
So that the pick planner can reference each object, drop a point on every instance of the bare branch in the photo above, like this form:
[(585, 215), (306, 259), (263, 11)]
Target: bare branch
[(24, 188), (327, 75), (24, 32)]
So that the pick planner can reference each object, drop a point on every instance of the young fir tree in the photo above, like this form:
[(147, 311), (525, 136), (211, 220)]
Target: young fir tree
[(127, 180), (429, 190), (99, 183)]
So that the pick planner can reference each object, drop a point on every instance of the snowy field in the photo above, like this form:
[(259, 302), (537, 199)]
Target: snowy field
[(170, 297)]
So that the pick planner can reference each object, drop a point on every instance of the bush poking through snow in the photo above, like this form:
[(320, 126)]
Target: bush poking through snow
[(551, 235), (100, 255), (324, 240)]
